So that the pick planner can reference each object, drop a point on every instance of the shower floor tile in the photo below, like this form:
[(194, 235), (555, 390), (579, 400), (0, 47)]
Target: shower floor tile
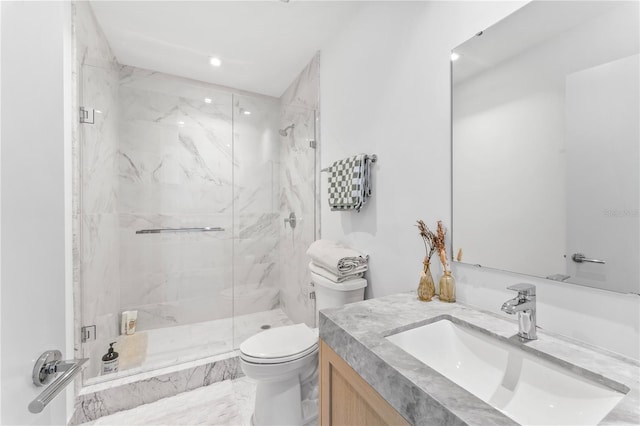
[(229, 402)]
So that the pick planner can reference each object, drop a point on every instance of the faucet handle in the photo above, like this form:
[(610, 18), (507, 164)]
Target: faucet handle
[(523, 289)]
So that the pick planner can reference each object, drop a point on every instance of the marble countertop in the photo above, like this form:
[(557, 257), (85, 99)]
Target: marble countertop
[(357, 333)]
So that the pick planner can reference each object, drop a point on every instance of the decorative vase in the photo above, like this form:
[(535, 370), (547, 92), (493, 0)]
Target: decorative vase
[(427, 287), (447, 288)]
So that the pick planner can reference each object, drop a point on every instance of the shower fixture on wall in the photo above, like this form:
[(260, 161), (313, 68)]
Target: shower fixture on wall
[(285, 131)]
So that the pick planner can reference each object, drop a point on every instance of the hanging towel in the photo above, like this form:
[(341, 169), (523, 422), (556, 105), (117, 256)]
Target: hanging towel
[(337, 257), (349, 183), (319, 270)]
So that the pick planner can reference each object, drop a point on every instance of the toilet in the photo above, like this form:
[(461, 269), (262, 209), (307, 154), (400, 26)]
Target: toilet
[(284, 361)]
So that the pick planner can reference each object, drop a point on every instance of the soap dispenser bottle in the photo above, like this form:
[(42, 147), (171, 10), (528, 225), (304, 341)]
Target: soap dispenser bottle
[(110, 360)]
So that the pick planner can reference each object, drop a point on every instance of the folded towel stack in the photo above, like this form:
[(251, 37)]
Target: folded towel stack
[(336, 262)]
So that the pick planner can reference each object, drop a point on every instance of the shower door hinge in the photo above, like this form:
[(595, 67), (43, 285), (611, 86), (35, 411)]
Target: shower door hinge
[(312, 144), (87, 115), (88, 333)]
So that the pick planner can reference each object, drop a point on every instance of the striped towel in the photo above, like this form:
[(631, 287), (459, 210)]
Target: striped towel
[(349, 183)]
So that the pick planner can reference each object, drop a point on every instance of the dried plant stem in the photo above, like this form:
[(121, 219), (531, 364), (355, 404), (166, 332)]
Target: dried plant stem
[(441, 246), (428, 238)]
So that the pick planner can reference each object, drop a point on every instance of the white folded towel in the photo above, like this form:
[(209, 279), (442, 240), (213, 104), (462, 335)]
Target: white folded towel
[(337, 257), (322, 283), (356, 273)]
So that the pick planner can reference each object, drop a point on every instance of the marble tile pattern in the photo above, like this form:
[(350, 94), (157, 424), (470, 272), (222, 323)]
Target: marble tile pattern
[(177, 361), (174, 171), (184, 162), (229, 402), (298, 191), (95, 405), (256, 150), (357, 333)]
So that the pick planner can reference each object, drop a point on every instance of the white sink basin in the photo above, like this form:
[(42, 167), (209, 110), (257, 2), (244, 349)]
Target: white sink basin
[(530, 390)]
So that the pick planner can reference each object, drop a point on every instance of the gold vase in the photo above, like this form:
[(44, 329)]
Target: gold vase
[(447, 287), (427, 287)]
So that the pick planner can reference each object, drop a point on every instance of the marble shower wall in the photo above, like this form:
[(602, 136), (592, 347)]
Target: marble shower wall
[(186, 162), (256, 218), (95, 214), (159, 156), (174, 171), (299, 190)]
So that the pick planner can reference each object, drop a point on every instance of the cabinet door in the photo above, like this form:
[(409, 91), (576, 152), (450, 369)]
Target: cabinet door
[(346, 399)]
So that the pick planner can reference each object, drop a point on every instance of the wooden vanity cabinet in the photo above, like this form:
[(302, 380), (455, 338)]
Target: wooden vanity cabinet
[(346, 399)]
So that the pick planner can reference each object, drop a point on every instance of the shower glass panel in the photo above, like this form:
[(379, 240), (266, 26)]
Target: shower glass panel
[(256, 301), (271, 277), (298, 194), (185, 195), (157, 159), (274, 176)]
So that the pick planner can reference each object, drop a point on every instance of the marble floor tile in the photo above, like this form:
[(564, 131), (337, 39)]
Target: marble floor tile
[(229, 402)]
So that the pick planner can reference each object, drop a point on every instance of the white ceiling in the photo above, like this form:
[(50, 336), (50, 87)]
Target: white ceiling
[(263, 45)]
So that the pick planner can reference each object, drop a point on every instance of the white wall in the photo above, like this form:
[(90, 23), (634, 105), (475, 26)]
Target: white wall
[(34, 141), (0, 210), (385, 91)]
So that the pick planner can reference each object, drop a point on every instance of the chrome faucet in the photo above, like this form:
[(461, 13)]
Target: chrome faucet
[(524, 306)]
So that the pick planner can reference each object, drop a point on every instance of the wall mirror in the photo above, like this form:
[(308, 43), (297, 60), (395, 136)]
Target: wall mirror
[(545, 144)]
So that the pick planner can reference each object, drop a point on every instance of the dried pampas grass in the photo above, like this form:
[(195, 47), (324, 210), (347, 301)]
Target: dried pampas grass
[(428, 238), (441, 246)]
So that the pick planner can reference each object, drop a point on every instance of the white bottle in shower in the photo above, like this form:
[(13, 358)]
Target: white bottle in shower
[(128, 322)]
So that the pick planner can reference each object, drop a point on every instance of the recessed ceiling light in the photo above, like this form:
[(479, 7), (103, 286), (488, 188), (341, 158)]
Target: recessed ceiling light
[(216, 62), (180, 123), (454, 56), (207, 100), (245, 112)]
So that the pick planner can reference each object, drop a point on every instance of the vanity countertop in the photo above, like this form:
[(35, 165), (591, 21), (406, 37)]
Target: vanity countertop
[(357, 333)]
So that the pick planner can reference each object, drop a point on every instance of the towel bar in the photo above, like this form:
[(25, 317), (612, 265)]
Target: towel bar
[(164, 230), (373, 158)]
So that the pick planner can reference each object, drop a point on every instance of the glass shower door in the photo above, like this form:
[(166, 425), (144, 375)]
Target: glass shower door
[(156, 201), (298, 195), (256, 216), (274, 213)]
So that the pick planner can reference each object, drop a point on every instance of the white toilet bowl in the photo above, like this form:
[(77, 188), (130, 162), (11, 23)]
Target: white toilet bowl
[(281, 360), (284, 361)]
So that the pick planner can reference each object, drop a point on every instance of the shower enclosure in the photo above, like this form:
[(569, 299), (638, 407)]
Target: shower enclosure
[(183, 197)]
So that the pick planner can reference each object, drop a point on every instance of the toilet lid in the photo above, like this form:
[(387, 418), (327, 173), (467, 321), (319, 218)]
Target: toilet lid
[(280, 344)]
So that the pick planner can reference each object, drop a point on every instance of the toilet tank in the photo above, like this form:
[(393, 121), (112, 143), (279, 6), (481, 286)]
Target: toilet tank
[(330, 294)]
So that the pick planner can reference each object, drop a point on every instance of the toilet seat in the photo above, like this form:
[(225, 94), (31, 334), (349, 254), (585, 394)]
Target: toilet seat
[(281, 360), (280, 345)]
